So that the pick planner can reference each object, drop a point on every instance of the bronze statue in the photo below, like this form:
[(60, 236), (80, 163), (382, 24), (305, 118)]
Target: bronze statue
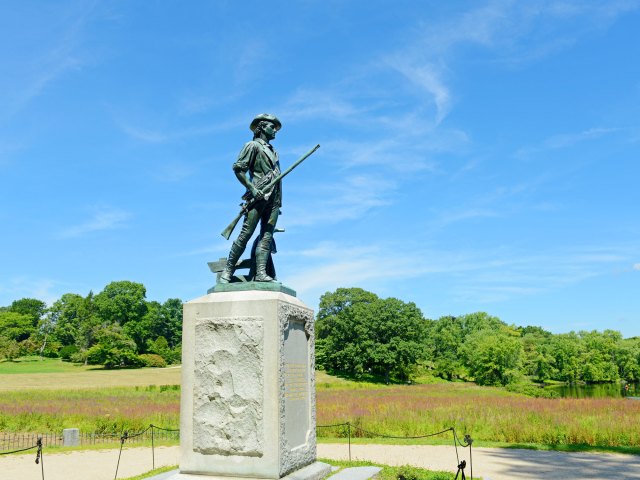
[(258, 169)]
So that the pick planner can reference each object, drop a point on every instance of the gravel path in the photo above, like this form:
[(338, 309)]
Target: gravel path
[(490, 463)]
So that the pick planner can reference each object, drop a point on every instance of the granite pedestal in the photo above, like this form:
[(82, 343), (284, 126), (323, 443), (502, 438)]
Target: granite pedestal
[(248, 387)]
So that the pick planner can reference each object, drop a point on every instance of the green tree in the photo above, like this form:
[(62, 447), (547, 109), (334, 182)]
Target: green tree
[(31, 307), (444, 340), (169, 323), (567, 351), (598, 357), (66, 316), (142, 329), (361, 333), (628, 359), (538, 361), (494, 357), (16, 326), (121, 302), (9, 348), (113, 349), (447, 336)]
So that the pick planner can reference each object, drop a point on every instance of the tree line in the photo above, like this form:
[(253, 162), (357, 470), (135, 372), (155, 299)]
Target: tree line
[(118, 327), (358, 333), (361, 334)]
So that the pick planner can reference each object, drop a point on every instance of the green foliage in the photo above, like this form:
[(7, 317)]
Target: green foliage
[(9, 348), (161, 347), (67, 315), (493, 357), (67, 351), (408, 472), (31, 307), (75, 326), (169, 322), (121, 302), (446, 337), (16, 326), (531, 390), (360, 333), (113, 349), (153, 360)]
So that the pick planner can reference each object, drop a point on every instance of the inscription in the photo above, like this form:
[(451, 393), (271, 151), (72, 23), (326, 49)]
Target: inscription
[(295, 381)]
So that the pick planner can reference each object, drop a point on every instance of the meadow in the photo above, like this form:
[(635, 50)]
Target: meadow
[(33, 373), (491, 416)]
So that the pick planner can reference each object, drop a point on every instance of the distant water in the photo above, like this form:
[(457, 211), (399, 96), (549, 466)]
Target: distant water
[(604, 390)]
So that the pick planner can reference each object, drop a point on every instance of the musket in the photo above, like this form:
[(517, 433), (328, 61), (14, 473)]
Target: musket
[(248, 205)]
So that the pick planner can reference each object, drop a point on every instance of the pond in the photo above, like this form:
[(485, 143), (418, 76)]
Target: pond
[(601, 390)]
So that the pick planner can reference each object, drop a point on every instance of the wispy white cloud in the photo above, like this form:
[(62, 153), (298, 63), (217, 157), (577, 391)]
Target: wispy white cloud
[(517, 32), (479, 276), (636, 267), (428, 78), (57, 55), (322, 104), (565, 140), (354, 196), (105, 218), (506, 31), (28, 287), (168, 134)]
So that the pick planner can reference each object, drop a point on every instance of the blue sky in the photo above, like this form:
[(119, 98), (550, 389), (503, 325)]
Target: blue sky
[(476, 156)]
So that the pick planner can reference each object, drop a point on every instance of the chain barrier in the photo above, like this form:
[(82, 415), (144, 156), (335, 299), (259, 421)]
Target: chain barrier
[(20, 450), (153, 450), (466, 442), (39, 455), (348, 424)]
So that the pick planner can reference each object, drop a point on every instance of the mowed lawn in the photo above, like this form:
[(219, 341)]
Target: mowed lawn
[(32, 373)]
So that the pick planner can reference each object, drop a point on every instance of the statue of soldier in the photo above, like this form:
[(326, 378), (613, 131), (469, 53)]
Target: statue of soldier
[(257, 164)]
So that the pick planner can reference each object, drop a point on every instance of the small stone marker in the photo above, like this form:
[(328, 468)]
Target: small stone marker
[(71, 437), (357, 473)]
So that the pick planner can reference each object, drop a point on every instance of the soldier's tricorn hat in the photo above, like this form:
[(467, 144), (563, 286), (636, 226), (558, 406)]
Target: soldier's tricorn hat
[(265, 117)]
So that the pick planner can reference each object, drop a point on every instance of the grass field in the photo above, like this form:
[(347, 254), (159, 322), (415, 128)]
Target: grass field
[(52, 373), (113, 401), (40, 365)]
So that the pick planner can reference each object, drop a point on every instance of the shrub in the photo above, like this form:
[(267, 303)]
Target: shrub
[(78, 357), (407, 472), (531, 390), (67, 351), (153, 360)]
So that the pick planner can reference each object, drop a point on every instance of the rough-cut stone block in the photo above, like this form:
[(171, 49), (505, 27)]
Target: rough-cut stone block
[(227, 409), (248, 391)]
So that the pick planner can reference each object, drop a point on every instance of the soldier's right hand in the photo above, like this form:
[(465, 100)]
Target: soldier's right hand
[(257, 193)]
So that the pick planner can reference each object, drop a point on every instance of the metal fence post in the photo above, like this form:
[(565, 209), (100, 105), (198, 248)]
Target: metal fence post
[(153, 452), (349, 434)]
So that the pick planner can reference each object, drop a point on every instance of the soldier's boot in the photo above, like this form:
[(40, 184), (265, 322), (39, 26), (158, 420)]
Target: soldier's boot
[(232, 261), (262, 256)]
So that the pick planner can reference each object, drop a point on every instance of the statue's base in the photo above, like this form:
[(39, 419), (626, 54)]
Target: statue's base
[(315, 471), (247, 405), (246, 286)]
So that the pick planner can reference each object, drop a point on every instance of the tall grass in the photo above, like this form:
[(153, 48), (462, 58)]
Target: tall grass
[(488, 414), (109, 410), (485, 413)]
